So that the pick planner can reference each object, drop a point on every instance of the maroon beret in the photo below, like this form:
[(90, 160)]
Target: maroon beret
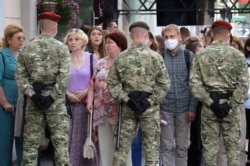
[(49, 16), (221, 23)]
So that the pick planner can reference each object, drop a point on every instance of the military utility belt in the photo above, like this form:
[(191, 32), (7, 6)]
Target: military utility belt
[(38, 87), (219, 95)]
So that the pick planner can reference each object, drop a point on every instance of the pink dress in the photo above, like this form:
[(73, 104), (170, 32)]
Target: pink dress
[(105, 107)]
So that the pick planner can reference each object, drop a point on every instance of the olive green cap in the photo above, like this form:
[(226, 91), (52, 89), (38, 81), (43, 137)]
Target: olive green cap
[(140, 24)]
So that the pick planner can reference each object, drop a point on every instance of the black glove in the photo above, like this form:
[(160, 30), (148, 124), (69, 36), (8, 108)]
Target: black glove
[(138, 101), (144, 104), (139, 106), (225, 108), (220, 110), (42, 102), (45, 103), (134, 105), (36, 98)]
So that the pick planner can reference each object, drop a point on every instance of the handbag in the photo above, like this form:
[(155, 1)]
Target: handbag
[(84, 100)]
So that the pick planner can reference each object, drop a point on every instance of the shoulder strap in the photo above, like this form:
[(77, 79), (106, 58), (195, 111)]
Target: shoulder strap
[(187, 59), (91, 64)]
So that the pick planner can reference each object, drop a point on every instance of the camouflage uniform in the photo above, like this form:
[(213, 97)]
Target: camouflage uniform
[(220, 68), (45, 60), (139, 69)]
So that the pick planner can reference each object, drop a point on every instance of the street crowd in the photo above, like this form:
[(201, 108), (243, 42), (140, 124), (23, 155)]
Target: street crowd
[(174, 99)]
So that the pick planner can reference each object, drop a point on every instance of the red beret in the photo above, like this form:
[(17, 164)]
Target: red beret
[(221, 23), (49, 16)]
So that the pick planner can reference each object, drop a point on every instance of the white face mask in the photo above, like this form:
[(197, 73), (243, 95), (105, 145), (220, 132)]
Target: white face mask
[(171, 43)]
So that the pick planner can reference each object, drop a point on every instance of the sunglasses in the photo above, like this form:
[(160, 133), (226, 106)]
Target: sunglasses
[(20, 38)]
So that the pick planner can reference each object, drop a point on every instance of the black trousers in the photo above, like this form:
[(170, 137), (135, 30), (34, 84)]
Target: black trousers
[(195, 148)]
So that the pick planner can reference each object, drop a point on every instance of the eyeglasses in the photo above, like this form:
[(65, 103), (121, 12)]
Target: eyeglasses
[(109, 42), (20, 38)]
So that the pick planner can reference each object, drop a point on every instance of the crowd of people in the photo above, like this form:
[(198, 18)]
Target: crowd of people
[(169, 99)]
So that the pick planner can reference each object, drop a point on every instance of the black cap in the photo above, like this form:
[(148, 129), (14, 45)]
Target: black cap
[(140, 24)]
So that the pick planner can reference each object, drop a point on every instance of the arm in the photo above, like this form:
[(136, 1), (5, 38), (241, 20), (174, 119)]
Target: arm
[(90, 99), (240, 93), (193, 101), (63, 72), (162, 83), (22, 76), (115, 85), (3, 100), (196, 85)]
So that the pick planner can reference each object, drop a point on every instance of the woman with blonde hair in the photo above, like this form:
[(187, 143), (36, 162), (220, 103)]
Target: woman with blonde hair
[(82, 65), (12, 42)]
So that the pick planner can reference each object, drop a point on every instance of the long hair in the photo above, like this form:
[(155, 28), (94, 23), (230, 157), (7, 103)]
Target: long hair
[(154, 45), (101, 47), (247, 44)]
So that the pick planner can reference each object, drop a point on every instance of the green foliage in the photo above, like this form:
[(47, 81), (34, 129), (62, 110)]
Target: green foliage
[(65, 10), (86, 10)]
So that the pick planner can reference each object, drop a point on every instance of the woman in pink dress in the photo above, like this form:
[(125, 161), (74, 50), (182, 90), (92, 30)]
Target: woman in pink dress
[(77, 90), (104, 107)]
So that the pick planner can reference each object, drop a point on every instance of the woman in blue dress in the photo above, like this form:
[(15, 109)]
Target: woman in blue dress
[(12, 42)]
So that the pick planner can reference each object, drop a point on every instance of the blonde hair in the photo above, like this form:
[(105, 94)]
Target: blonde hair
[(169, 28), (79, 33), (9, 31)]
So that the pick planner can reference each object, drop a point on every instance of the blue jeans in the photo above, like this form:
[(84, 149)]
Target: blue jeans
[(137, 149)]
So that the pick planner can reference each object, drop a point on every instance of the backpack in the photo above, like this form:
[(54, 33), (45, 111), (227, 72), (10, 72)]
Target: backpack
[(187, 59)]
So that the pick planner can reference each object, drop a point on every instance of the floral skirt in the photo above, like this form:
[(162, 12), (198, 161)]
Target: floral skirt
[(77, 136)]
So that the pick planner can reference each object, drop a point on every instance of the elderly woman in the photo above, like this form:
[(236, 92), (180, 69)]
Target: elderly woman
[(104, 107), (82, 63), (12, 42)]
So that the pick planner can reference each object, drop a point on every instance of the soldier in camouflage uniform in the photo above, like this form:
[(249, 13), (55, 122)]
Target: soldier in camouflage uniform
[(219, 79), (42, 75), (139, 81)]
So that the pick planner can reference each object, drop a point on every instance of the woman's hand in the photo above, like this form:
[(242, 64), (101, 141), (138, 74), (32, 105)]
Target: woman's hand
[(90, 107), (73, 98), (81, 94), (9, 108)]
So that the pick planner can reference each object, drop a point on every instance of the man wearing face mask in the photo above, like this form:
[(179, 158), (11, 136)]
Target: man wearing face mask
[(42, 75), (219, 79), (179, 106)]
